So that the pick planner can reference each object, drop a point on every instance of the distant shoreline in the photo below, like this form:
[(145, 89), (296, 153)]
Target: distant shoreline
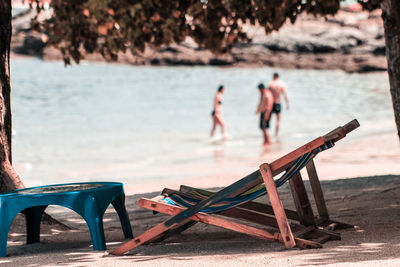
[(279, 60), (350, 41)]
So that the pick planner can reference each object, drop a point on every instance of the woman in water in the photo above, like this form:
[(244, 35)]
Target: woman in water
[(216, 113)]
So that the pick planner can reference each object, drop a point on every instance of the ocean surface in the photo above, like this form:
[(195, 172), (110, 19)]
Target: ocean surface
[(98, 121)]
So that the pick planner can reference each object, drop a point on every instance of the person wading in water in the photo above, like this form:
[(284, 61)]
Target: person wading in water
[(278, 88), (216, 113), (265, 109)]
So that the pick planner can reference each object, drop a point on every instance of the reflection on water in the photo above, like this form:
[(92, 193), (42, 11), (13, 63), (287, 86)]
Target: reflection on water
[(99, 121)]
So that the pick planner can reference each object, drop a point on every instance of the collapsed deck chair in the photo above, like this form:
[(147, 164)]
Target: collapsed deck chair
[(191, 205)]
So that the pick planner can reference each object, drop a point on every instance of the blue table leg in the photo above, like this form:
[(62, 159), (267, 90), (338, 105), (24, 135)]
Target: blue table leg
[(94, 219), (5, 227), (119, 206), (33, 217)]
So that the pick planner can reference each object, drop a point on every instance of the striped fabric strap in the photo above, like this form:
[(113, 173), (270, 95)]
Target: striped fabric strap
[(253, 193)]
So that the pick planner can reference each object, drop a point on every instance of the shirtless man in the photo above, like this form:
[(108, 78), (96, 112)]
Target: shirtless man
[(265, 108), (277, 87), (216, 113)]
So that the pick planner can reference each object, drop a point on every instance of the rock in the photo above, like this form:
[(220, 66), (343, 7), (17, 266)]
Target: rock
[(32, 46), (369, 68), (379, 50)]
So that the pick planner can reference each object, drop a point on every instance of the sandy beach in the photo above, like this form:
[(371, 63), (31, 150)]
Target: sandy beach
[(361, 182)]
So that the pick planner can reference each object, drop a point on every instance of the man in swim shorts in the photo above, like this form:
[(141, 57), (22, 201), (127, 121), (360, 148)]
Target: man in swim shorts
[(278, 88), (265, 108)]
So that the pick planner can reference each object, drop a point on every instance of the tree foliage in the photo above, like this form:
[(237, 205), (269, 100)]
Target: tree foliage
[(111, 26)]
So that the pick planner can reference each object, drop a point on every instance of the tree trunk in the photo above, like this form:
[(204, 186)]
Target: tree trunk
[(9, 179), (391, 22)]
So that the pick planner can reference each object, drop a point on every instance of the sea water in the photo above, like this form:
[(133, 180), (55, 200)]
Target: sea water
[(98, 121)]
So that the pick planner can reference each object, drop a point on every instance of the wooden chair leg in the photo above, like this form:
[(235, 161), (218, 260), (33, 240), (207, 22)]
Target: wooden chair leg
[(276, 203), (324, 219), (301, 201), (317, 190)]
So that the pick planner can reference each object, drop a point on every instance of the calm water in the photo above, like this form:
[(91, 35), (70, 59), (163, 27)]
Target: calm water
[(119, 122)]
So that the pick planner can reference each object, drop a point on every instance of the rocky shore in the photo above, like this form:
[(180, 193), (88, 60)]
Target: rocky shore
[(351, 41)]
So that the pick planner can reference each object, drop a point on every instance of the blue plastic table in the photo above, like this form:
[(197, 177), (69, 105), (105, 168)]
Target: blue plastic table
[(89, 200)]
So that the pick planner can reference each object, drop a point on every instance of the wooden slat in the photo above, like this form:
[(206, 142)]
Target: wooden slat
[(341, 132), (304, 231), (304, 243), (332, 234), (167, 192), (189, 189), (352, 125), (322, 239), (301, 201), (276, 203), (265, 208), (317, 190), (209, 219), (301, 243)]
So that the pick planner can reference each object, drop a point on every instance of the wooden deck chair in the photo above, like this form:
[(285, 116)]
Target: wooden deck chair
[(223, 205)]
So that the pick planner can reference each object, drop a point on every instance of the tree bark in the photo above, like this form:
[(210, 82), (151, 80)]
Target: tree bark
[(391, 22), (9, 179)]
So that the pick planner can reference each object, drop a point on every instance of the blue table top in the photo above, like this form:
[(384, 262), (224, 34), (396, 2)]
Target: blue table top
[(62, 188)]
